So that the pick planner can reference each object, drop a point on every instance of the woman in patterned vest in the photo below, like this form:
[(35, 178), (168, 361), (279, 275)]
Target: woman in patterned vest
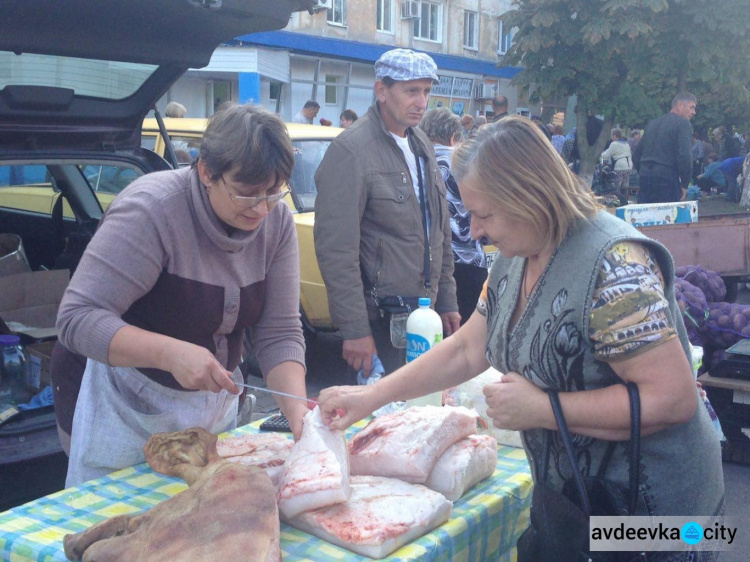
[(579, 302)]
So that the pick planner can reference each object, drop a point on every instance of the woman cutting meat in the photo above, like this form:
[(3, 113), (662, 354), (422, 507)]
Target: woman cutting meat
[(579, 302), (182, 263)]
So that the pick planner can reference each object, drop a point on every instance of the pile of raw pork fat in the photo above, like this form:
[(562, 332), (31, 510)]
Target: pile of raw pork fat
[(391, 483)]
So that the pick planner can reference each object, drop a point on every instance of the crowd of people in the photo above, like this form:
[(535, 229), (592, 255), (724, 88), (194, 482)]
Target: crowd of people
[(406, 199)]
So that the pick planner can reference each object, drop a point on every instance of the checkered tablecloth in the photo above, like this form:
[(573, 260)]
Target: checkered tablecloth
[(484, 525)]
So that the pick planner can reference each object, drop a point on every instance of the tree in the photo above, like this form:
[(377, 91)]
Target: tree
[(624, 59)]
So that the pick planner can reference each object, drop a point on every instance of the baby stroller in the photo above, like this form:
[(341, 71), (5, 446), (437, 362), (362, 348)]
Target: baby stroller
[(603, 184)]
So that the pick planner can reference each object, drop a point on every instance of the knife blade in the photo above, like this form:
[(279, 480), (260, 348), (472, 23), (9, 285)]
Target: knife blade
[(263, 389)]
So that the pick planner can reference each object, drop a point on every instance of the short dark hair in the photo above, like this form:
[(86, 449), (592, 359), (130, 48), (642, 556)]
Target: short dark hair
[(251, 137), (387, 81), (499, 102), (683, 97), (311, 103), (349, 115)]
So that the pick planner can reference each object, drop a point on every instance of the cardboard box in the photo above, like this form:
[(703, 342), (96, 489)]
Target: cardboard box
[(37, 369), (12, 257), (29, 302), (652, 214)]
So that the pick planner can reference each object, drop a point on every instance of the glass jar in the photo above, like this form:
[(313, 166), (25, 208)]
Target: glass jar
[(12, 368)]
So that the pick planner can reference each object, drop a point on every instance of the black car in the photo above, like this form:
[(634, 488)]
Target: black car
[(77, 77)]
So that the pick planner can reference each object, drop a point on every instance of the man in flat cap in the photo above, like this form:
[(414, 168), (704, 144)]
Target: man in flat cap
[(382, 227)]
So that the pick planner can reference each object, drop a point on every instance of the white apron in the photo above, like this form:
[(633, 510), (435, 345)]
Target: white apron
[(119, 408)]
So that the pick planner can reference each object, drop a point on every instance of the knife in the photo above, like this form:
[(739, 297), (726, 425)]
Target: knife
[(263, 389), (310, 402)]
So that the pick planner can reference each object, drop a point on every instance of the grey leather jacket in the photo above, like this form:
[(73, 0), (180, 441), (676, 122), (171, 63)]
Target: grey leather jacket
[(367, 213)]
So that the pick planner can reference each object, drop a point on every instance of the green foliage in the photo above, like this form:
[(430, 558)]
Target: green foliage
[(626, 59)]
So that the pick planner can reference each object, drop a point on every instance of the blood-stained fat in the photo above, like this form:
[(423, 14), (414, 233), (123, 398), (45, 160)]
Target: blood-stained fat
[(268, 451), (407, 444), (316, 473), (381, 515), (463, 465)]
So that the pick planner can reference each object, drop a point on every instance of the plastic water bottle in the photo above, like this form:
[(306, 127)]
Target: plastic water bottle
[(12, 368), (424, 330)]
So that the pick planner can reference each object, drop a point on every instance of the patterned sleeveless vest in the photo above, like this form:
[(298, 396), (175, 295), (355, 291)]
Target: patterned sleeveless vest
[(550, 346)]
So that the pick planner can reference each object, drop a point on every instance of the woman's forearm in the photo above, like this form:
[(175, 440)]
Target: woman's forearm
[(453, 361), (289, 377), (135, 347), (605, 413)]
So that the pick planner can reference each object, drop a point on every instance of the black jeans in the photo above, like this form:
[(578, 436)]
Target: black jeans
[(655, 189), (469, 281)]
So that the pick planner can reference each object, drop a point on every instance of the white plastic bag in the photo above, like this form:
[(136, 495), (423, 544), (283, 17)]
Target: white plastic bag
[(470, 395)]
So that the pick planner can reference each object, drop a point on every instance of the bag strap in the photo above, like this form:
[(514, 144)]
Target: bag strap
[(635, 446), (565, 437), (422, 207), (635, 449)]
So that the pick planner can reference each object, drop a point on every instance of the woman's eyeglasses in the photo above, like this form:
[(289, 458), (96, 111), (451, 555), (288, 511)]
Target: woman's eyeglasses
[(248, 202)]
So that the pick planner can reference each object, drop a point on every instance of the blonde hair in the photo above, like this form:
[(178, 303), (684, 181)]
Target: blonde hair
[(175, 109), (513, 164)]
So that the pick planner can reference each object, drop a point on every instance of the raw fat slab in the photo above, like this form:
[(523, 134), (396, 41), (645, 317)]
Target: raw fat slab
[(381, 515), (465, 463), (268, 451), (406, 445), (316, 474)]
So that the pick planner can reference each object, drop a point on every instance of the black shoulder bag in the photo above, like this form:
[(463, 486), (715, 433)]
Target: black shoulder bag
[(559, 529)]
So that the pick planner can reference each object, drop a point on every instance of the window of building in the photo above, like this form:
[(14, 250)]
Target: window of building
[(430, 22), (337, 14), (385, 15), (504, 38), (471, 30), (331, 89)]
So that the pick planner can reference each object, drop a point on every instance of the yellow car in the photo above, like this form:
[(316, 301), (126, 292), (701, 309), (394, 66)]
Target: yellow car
[(310, 144)]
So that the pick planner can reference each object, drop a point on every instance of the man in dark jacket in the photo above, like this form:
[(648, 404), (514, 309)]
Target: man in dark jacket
[(663, 158), (499, 108), (382, 227)]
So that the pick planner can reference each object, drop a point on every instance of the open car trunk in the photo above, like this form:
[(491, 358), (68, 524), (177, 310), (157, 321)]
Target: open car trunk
[(77, 78)]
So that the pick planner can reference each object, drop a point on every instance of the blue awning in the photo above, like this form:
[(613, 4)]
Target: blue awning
[(366, 52)]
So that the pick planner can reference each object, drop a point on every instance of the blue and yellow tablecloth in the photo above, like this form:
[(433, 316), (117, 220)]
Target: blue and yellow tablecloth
[(484, 525)]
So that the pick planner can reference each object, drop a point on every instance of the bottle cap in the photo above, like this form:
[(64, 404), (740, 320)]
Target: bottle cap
[(424, 301), (10, 340)]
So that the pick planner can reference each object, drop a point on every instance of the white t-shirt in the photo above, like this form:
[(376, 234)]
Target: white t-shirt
[(411, 161)]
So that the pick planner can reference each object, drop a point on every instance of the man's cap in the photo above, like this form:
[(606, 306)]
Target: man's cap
[(404, 64)]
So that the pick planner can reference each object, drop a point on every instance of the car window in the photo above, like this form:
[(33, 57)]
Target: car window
[(87, 77), (109, 179), (186, 148), (31, 187), (148, 141), (21, 174), (307, 157), (26, 187)]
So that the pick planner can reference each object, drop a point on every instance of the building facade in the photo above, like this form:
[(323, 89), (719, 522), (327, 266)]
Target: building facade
[(328, 56)]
